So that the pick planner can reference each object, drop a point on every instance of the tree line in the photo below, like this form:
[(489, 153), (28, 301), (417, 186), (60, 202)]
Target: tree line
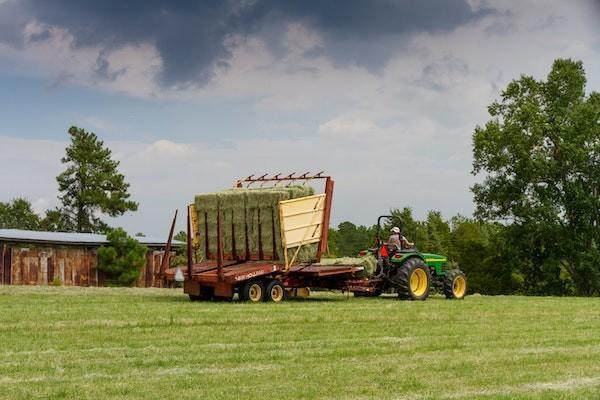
[(535, 228), (537, 209), (477, 247)]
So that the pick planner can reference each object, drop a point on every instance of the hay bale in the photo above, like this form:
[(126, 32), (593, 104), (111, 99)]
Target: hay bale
[(239, 224), (201, 218), (306, 255), (300, 191), (265, 209), (280, 194), (368, 262), (250, 222), (232, 203), (208, 204), (257, 212)]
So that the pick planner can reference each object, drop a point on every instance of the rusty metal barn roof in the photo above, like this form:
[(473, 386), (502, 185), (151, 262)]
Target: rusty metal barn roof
[(73, 239)]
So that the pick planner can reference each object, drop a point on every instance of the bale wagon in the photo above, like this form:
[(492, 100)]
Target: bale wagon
[(260, 261)]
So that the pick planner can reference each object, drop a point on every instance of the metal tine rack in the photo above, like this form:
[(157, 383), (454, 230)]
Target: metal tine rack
[(278, 178)]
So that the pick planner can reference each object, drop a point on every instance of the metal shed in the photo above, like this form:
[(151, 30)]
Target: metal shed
[(41, 258)]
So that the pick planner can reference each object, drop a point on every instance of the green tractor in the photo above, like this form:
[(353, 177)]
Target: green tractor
[(413, 274)]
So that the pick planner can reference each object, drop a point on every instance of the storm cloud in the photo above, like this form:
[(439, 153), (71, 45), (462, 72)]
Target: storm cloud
[(196, 38)]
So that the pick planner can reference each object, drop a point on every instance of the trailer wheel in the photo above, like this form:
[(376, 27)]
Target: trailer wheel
[(275, 291), (253, 291), (206, 294)]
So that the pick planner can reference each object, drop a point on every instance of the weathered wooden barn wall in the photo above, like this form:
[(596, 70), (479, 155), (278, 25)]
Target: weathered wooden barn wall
[(42, 265), (149, 273), (24, 264)]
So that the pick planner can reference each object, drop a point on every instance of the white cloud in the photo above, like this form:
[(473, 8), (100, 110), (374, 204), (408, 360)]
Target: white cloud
[(399, 136), (40, 205), (166, 148), (371, 176), (346, 128), (28, 169)]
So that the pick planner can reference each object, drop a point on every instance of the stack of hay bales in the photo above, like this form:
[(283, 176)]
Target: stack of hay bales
[(250, 223), (368, 262)]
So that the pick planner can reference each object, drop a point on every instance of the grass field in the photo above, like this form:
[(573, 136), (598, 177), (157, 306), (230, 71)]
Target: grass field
[(93, 343)]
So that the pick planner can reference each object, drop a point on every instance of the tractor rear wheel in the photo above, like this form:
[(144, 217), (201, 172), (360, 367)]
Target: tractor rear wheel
[(455, 284), (413, 279)]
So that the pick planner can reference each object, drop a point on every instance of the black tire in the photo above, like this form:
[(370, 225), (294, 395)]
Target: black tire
[(252, 291), (414, 269), (455, 284), (275, 291), (206, 294)]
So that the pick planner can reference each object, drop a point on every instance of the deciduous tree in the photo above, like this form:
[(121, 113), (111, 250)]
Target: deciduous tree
[(540, 153), (18, 214)]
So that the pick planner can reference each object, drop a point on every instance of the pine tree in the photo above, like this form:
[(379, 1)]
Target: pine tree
[(122, 259), (91, 185)]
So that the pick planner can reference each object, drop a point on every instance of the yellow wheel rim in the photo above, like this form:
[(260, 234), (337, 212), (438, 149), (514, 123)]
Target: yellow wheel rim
[(276, 293), (459, 287), (255, 292), (418, 282)]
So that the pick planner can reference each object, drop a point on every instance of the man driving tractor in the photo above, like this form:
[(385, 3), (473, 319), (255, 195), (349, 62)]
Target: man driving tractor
[(397, 241)]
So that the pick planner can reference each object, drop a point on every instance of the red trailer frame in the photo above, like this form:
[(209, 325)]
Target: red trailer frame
[(221, 278)]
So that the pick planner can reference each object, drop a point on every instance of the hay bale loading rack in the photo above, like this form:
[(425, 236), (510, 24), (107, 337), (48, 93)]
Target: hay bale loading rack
[(303, 221)]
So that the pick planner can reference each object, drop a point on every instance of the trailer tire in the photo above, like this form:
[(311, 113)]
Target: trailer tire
[(413, 279), (275, 291), (252, 291), (206, 294)]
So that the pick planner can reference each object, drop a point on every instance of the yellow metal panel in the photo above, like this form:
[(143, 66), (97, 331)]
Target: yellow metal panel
[(194, 224), (301, 220)]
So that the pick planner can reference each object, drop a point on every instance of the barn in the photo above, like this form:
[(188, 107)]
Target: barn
[(70, 259)]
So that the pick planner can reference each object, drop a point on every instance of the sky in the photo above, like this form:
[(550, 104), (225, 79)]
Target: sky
[(383, 95)]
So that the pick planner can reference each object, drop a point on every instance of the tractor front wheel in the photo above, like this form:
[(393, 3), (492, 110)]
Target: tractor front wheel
[(455, 284), (413, 279)]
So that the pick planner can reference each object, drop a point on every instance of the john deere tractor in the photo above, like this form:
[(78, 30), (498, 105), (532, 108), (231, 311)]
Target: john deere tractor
[(413, 274)]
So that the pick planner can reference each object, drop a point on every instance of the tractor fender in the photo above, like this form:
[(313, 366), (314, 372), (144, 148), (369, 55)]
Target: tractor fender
[(401, 260), (435, 262)]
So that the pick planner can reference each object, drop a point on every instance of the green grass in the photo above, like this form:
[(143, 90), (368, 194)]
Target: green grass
[(93, 343)]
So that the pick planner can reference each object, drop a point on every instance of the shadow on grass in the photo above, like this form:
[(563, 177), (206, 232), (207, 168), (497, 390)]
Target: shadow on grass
[(183, 298), (315, 297)]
